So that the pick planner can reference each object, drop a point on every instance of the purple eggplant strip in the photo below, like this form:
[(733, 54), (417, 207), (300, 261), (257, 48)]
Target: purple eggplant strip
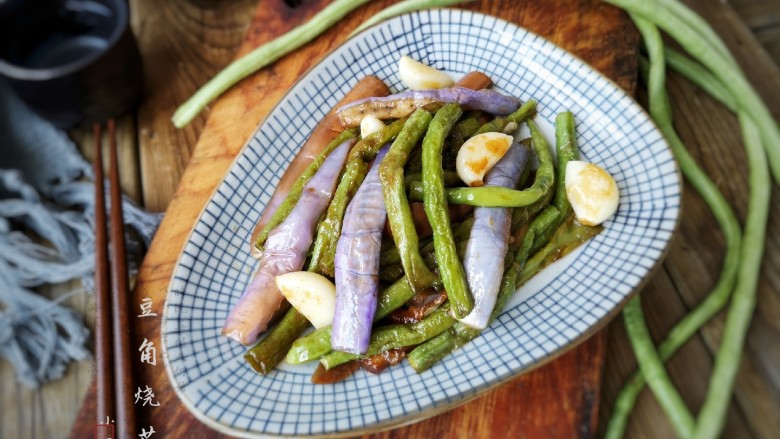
[(357, 264), (285, 251), (489, 240), (403, 104)]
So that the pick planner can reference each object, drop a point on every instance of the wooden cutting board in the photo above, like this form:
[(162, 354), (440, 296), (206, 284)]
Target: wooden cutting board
[(559, 399)]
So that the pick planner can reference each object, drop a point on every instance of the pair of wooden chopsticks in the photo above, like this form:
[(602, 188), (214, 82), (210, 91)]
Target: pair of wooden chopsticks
[(114, 377)]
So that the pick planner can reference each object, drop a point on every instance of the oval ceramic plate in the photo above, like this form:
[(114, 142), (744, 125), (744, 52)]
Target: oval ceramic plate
[(560, 306)]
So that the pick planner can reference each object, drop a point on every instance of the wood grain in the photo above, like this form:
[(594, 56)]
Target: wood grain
[(213, 32), (183, 44), (610, 44)]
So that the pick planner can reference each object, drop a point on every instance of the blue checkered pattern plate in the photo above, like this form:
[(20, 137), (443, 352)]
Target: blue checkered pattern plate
[(557, 308)]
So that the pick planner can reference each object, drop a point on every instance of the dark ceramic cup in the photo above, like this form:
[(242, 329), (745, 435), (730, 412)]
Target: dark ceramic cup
[(71, 61)]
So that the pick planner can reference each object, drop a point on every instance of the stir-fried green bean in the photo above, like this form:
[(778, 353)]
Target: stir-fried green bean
[(329, 229), (566, 148), (523, 215), (465, 128), (505, 197), (316, 344), (271, 350), (499, 124), (450, 178), (541, 230), (397, 336), (435, 202), (292, 197), (568, 237), (399, 215)]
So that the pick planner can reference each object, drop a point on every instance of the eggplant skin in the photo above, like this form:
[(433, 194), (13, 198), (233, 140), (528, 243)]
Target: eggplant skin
[(357, 264), (403, 104), (488, 243), (285, 251)]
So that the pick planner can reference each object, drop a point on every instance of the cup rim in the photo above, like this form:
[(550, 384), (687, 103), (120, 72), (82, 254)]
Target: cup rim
[(14, 71)]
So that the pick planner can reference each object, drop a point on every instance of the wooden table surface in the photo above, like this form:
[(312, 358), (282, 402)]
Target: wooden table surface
[(192, 39)]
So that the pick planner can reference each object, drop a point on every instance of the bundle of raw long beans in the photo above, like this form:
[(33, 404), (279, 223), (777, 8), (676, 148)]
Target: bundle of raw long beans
[(428, 283)]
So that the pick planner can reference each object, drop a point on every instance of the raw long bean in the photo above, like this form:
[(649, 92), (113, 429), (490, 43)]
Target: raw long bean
[(324, 252), (435, 202), (713, 413), (712, 416), (261, 57), (653, 369), (292, 197), (699, 75), (701, 42), (655, 77), (402, 8), (399, 215)]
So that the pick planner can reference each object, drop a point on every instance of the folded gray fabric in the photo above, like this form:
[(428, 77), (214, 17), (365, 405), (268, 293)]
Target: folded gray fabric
[(46, 237)]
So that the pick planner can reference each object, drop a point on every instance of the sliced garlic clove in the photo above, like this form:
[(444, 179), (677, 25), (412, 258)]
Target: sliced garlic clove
[(478, 155), (312, 294), (592, 192), (418, 76)]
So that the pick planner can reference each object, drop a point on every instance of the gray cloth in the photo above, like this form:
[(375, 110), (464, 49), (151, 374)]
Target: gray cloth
[(46, 237)]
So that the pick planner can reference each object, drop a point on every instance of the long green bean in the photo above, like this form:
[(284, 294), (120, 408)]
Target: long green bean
[(540, 145), (500, 123), (566, 148), (292, 197), (701, 42), (316, 344), (402, 8), (450, 178), (488, 196), (540, 232), (655, 76), (700, 76), (435, 203), (329, 229), (762, 138), (713, 412), (425, 355), (263, 56), (399, 215), (653, 370), (272, 349), (568, 237), (397, 336), (500, 196), (465, 128)]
